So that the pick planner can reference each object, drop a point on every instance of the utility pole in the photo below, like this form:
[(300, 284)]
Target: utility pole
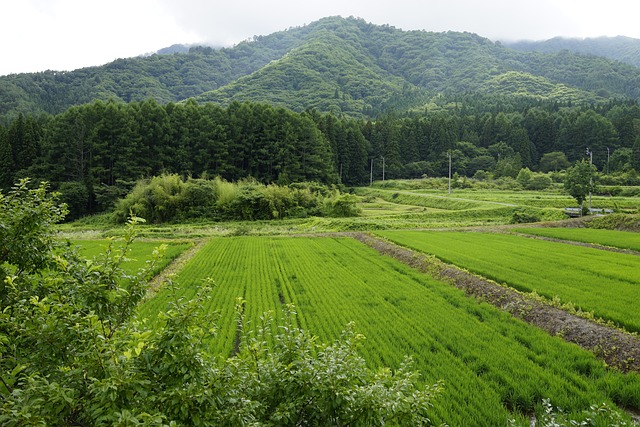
[(371, 176), (590, 154), (382, 168), (607, 160), (449, 155)]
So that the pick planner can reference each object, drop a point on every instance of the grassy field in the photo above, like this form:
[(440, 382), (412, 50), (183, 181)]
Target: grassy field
[(139, 252), (596, 281), (612, 238), (494, 367)]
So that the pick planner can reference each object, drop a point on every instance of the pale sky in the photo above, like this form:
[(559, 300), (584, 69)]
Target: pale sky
[(39, 35)]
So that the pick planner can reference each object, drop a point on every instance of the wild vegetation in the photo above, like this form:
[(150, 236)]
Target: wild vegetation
[(341, 65), (72, 354), (620, 48), (168, 198), (94, 154)]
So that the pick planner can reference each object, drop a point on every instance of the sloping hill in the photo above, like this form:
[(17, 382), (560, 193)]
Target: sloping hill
[(620, 48), (334, 64)]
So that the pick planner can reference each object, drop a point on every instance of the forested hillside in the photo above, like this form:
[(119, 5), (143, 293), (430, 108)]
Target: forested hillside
[(337, 101), (345, 66), (620, 48)]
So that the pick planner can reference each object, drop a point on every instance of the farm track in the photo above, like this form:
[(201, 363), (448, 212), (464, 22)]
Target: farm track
[(615, 347), (174, 266)]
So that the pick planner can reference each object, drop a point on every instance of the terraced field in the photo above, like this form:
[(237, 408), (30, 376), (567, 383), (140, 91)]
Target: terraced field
[(494, 367), (612, 238), (596, 281), (139, 252)]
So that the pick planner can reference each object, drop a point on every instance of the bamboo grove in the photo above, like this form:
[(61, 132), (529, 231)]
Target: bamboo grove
[(94, 153)]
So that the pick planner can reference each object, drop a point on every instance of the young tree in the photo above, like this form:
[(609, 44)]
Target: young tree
[(580, 181)]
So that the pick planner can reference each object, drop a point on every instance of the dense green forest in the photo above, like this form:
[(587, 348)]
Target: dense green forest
[(345, 66), (620, 48), (94, 153)]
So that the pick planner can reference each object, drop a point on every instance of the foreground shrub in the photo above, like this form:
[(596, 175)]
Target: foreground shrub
[(71, 352)]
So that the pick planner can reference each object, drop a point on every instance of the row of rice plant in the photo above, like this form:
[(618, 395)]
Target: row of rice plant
[(613, 238), (494, 367), (597, 281)]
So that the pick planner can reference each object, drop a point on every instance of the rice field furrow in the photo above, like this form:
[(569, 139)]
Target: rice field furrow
[(494, 367)]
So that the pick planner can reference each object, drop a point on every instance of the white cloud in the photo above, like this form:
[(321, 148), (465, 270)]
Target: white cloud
[(69, 34)]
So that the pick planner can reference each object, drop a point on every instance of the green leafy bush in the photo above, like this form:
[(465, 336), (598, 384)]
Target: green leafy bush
[(72, 353)]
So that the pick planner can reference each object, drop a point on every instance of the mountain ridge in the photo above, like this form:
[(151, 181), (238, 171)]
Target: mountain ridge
[(620, 48), (343, 65)]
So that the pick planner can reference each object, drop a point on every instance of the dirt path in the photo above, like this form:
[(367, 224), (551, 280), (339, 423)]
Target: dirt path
[(616, 348), (174, 266)]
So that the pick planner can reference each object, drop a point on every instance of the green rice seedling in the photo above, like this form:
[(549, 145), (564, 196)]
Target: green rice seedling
[(613, 238), (494, 368), (603, 283)]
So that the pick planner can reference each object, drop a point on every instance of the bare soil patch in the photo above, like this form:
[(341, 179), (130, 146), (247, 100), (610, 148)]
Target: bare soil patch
[(174, 266)]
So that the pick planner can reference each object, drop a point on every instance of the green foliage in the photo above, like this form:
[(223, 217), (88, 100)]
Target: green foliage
[(168, 198), (580, 181), (554, 161), (71, 353), (620, 48), (616, 221), (26, 217), (533, 181), (336, 65), (343, 205), (521, 216)]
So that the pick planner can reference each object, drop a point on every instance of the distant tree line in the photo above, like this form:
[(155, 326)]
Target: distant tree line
[(95, 153)]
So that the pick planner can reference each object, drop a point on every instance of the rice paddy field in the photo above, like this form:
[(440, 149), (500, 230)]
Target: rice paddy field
[(138, 254), (601, 282), (494, 367), (611, 238)]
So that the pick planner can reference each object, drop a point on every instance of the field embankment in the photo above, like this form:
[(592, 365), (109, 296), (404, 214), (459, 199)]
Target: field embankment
[(617, 348)]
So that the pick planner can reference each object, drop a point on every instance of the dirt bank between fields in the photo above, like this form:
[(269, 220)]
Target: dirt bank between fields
[(616, 348)]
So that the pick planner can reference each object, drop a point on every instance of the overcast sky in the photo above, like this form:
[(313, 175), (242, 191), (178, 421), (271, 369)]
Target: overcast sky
[(38, 35)]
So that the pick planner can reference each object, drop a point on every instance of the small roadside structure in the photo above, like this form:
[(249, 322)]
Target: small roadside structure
[(577, 212)]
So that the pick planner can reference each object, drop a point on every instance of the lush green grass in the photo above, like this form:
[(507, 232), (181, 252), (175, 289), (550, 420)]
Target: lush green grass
[(601, 282), (474, 198), (139, 252), (489, 362), (613, 238)]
